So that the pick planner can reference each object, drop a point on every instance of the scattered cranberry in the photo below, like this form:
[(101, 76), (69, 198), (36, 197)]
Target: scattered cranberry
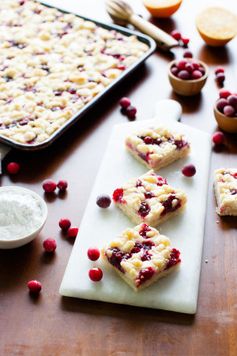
[(49, 186), (103, 201), (185, 41), (125, 102), (223, 93), (218, 138), (219, 70), (188, 54), (176, 35), (62, 185), (13, 168), (95, 274), (64, 224), (189, 170), (93, 254), (131, 112), (49, 245), (220, 78), (72, 232), (229, 111), (34, 286)]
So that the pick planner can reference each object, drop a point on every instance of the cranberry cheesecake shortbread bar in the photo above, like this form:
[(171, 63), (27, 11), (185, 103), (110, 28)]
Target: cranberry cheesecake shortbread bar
[(141, 256), (157, 147), (225, 187), (51, 65), (149, 199)]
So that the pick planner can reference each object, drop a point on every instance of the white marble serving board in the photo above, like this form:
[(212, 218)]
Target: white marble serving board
[(177, 292)]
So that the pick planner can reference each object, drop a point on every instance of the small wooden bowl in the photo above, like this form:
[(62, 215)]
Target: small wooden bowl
[(187, 87), (226, 123)]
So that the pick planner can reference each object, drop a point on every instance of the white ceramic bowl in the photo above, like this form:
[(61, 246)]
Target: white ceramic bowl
[(22, 240)]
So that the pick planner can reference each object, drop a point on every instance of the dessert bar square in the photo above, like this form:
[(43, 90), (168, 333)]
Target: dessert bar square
[(149, 199), (157, 147), (225, 187), (141, 256)]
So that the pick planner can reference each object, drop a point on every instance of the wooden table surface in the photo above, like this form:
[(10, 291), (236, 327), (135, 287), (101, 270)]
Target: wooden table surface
[(51, 325)]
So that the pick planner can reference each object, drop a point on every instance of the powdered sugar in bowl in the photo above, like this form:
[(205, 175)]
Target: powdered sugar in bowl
[(22, 216)]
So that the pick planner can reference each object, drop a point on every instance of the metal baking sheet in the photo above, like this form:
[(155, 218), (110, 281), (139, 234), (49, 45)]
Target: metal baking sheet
[(127, 32)]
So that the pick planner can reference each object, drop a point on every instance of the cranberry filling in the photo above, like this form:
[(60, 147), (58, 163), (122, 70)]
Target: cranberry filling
[(161, 181), (145, 228), (174, 258), (233, 191), (168, 206), (145, 157), (145, 256), (148, 195), (137, 248), (144, 209), (180, 144), (144, 275), (151, 141), (116, 258), (234, 175), (118, 195)]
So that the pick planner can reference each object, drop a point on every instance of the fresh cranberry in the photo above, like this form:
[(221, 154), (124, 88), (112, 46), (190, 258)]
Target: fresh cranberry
[(49, 186), (196, 65), (64, 224), (168, 204), (72, 232), (62, 185), (220, 104), (232, 100), (144, 229), (144, 209), (49, 245), (189, 170), (13, 168), (161, 181), (224, 93), (176, 35), (174, 258), (95, 274), (188, 54), (103, 201), (229, 111), (218, 138), (184, 75), (131, 112), (196, 74), (185, 41), (125, 102), (148, 140), (144, 275), (189, 67), (93, 254), (219, 70), (181, 64), (34, 286), (118, 195), (174, 71), (220, 78)]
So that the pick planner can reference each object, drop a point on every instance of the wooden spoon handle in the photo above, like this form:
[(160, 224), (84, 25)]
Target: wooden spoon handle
[(162, 38)]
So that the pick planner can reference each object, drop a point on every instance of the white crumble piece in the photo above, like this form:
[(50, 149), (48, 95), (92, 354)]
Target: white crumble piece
[(225, 188), (157, 147), (141, 256), (51, 65), (149, 199)]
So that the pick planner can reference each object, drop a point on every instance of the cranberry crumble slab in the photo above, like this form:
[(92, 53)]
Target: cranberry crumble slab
[(225, 187), (141, 255), (157, 147), (149, 199)]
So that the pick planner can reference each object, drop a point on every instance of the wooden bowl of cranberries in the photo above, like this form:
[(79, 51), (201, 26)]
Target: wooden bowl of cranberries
[(225, 111), (187, 76)]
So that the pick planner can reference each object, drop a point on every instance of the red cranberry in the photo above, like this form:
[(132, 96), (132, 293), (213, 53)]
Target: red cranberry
[(64, 224), (220, 78), (188, 54), (62, 185), (72, 232), (125, 102), (93, 254), (189, 67), (196, 74), (49, 245), (223, 93), (218, 138), (176, 35), (144, 209), (229, 111), (131, 112), (34, 286), (219, 70), (121, 67), (196, 65), (189, 170), (181, 64), (184, 75), (118, 195), (161, 181), (49, 186), (103, 201), (144, 275), (220, 104), (95, 274), (185, 41), (232, 100), (174, 71), (148, 140), (13, 168), (144, 229), (174, 258)]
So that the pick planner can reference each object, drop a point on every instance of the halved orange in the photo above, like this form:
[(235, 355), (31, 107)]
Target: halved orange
[(162, 8), (216, 26)]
